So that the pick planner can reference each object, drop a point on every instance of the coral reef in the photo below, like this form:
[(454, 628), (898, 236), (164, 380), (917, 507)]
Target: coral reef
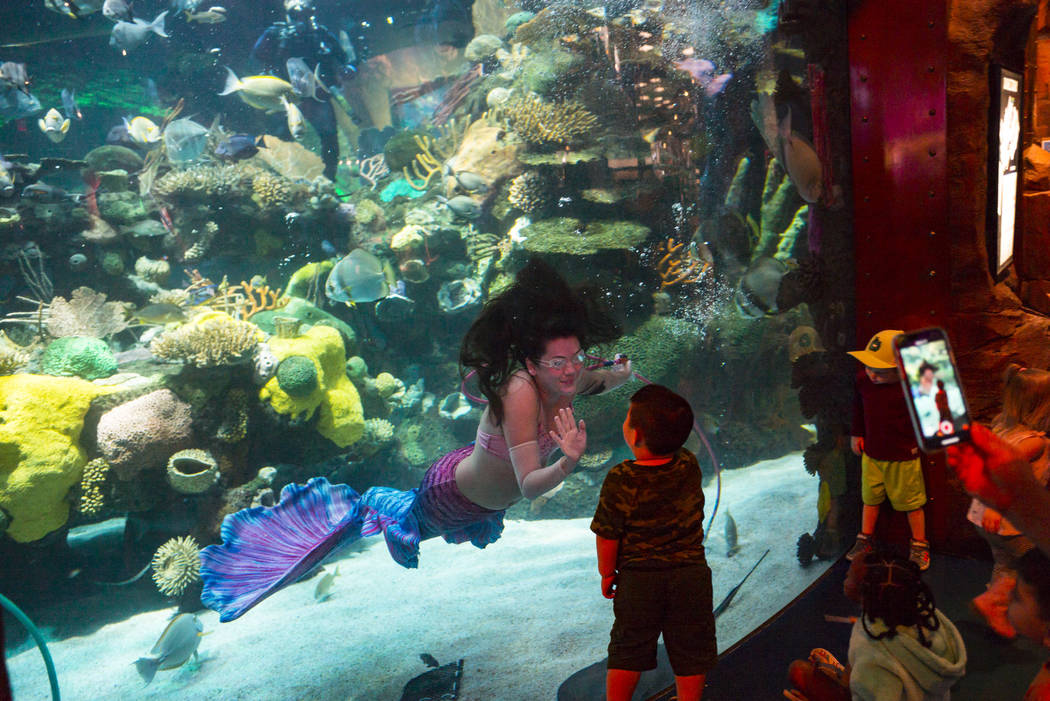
[(334, 397), (530, 192), (80, 356), (293, 161), (176, 565), (297, 375), (211, 339), (192, 471), (203, 183), (12, 356), (86, 313), (92, 499), (153, 270), (568, 236), (271, 192), (141, 434), (41, 418), (378, 434), (541, 122), (203, 238)]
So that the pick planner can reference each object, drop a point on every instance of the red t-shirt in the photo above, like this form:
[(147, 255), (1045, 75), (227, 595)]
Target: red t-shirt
[(880, 416)]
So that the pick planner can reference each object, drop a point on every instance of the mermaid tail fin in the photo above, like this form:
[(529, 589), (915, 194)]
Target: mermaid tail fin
[(390, 511), (265, 549)]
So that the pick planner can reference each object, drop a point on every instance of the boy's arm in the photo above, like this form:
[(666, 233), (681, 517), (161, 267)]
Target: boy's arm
[(607, 554)]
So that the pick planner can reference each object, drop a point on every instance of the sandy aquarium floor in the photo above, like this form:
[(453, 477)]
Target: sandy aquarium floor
[(524, 614)]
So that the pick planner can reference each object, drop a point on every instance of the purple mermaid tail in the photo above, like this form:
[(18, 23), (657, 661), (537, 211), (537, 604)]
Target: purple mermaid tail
[(265, 549)]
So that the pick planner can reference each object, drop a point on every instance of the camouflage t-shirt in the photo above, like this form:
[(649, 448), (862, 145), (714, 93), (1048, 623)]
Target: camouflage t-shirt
[(655, 511)]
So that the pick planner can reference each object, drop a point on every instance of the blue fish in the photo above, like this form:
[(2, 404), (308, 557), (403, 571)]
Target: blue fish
[(69, 102), (237, 147)]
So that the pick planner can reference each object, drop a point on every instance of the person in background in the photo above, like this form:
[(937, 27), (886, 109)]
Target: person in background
[(300, 36), (1029, 613), (882, 434), (650, 534), (1022, 423)]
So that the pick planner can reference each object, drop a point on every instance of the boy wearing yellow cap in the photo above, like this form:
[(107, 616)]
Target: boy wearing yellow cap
[(882, 435)]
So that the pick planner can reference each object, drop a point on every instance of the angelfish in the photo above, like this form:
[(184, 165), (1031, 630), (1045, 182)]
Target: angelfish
[(53, 125), (176, 644), (730, 535), (358, 277)]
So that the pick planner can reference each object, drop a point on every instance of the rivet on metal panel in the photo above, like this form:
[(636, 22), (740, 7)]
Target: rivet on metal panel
[(930, 69), (865, 159), (864, 119), (932, 194), (932, 152), (933, 312), (930, 24), (863, 37), (933, 233), (867, 313), (932, 111), (933, 273), (867, 198), (864, 79)]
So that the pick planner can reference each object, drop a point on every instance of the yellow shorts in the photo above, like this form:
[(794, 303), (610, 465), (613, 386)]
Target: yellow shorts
[(900, 480)]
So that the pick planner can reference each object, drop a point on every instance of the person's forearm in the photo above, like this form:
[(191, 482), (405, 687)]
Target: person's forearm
[(542, 480), (608, 552), (600, 380)]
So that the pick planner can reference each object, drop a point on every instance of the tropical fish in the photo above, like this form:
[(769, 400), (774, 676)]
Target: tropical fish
[(304, 82), (756, 295), (800, 161), (323, 590), (262, 92), (159, 314), (462, 206), (702, 72), (185, 140), (730, 535), (357, 278), (471, 182), (53, 125), (14, 75), (142, 130), (116, 10), (42, 192), (15, 104), (175, 646), (69, 102), (237, 147), (213, 15), (73, 8), (296, 124), (129, 35)]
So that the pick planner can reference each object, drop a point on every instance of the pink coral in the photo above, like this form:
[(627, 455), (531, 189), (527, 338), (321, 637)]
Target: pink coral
[(143, 433)]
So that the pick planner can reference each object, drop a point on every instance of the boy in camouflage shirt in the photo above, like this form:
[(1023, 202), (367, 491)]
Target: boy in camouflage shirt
[(650, 535)]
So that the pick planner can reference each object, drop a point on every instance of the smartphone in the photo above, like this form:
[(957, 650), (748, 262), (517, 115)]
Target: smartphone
[(932, 389)]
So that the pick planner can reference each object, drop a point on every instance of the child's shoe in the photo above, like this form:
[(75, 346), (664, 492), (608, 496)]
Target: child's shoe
[(992, 604), (919, 553), (862, 547)]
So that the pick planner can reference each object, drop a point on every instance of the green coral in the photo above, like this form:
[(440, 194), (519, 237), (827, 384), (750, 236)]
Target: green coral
[(400, 188), (41, 418), (564, 235), (79, 356), (309, 315), (401, 149), (297, 376), (121, 207), (334, 399)]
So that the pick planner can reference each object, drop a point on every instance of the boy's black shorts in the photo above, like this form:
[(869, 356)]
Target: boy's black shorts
[(676, 602)]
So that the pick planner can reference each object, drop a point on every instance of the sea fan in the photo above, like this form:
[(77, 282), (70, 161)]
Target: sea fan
[(176, 565)]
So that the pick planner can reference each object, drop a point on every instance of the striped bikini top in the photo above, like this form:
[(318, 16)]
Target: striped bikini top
[(495, 444)]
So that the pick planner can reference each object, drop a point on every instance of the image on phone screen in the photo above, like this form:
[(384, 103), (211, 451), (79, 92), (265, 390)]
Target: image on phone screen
[(934, 390)]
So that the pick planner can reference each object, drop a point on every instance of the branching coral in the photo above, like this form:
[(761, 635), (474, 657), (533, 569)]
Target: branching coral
[(205, 235), (541, 122), (529, 192), (12, 357), (87, 313), (91, 498), (211, 340), (679, 265), (176, 565), (246, 299), (427, 163)]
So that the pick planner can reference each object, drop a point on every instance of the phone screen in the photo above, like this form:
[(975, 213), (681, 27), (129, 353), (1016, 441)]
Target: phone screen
[(932, 388)]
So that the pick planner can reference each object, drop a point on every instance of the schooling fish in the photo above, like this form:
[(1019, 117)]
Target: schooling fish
[(262, 92), (213, 15), (175, 646), (357, 278), (116, 10), (129, 35), (462, 206), (323, 590), (730, 535), (53, 125)]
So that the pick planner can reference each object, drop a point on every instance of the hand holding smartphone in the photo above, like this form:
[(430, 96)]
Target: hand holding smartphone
[(932, 389)]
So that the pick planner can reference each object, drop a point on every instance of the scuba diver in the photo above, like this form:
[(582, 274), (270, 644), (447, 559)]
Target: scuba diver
[(300, 36)]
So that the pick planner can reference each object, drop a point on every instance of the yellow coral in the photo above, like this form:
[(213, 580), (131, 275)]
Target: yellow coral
[(341, 419), (541, 122), (387, 385), (176, 565), (270, 191), (209, 340), (41, 418), (91, 498)]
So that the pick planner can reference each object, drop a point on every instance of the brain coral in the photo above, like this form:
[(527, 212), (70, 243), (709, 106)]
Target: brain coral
[(41, 418), (209, 340)]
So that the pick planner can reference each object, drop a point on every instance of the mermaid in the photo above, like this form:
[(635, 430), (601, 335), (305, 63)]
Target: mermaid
[(527, 349)]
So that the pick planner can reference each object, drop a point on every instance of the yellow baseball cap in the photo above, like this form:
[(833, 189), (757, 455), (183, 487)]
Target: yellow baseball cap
[(879, 352)]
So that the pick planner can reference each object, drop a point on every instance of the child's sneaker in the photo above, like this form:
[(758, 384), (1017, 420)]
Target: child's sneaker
[(862, 547), (919, 553)]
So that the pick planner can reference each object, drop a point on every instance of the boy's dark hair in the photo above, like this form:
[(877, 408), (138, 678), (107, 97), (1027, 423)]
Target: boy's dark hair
[(927, 366), (663, 418), (1034, 569), (893, 592)]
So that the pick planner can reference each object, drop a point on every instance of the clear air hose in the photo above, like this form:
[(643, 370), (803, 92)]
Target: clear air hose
[(52, 677), (602, 362)]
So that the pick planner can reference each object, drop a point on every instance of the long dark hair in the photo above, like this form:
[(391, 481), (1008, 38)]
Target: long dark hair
[(893, 592), (1026, 399), (517, 324)]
